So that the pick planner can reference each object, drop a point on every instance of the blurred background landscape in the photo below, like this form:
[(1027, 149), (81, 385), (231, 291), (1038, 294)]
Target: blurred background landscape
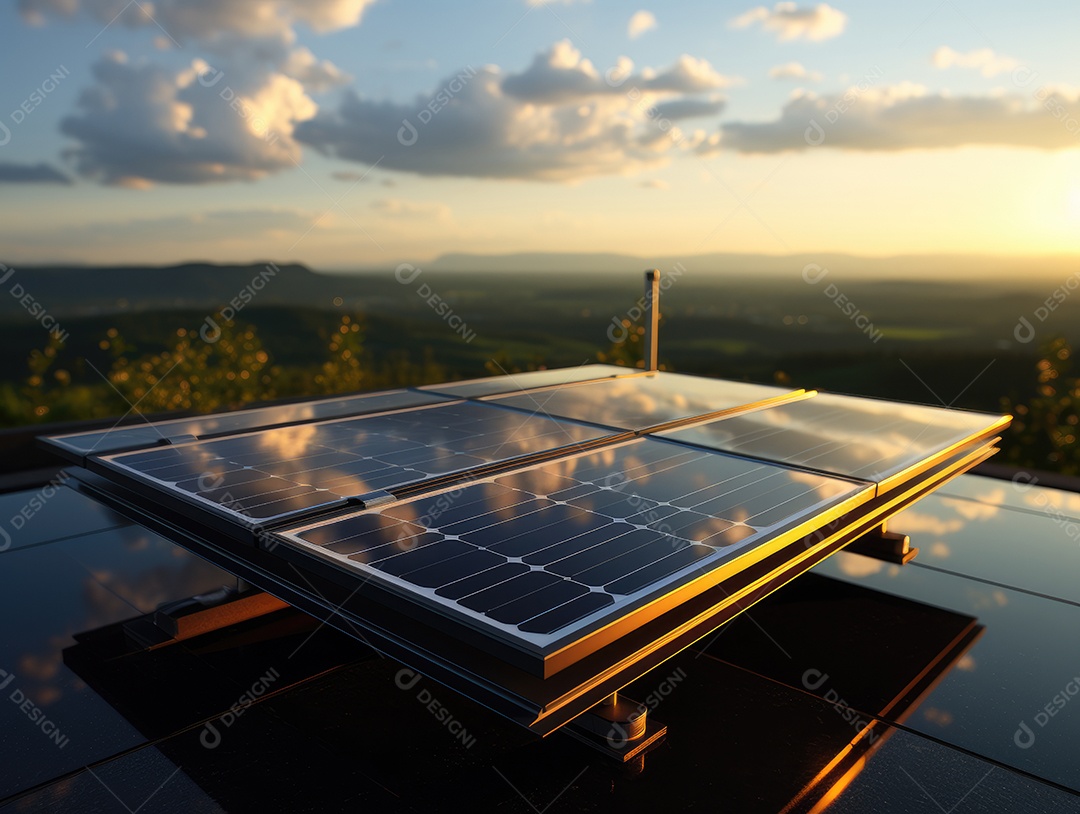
[(166, 344)]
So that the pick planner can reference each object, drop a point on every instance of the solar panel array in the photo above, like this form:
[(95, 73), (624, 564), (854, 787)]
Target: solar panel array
[(267, 475), (554, 547), (528, 515)]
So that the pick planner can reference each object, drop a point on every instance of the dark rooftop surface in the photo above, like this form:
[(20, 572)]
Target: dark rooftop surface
[(950, 684)]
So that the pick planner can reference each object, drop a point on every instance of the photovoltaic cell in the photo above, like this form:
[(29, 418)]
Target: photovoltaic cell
[(546, 550), (640, 402), (269, 474), (844, 435), (512, 383)]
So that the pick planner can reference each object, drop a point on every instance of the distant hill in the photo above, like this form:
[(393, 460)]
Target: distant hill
[(901, 267), (66, 292), (88, 291)]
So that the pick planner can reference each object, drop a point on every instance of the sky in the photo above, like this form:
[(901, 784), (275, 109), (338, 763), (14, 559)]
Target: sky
[(353, 133)]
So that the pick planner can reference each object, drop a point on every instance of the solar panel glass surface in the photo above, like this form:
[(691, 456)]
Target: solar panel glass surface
[(264, 475), (640, 402), (538, 552), (843, 435)]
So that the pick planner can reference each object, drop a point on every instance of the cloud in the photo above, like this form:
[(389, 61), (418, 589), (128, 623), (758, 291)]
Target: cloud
[(793, 70), (687, 75), (42, 173), (422, 210), (246, 38), (689, 108), (141, 124), (350, 176), (561, 75), (908, 117), (984, 60), (315, 75), (207, 22), (641, 22), (790, 22), (654, 183), (559, 120), (354, 177)]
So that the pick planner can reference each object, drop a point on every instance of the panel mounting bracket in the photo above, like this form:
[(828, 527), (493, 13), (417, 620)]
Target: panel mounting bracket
[(201, 614), (882, 544), (173, 440), (376, 498), (617, 727)]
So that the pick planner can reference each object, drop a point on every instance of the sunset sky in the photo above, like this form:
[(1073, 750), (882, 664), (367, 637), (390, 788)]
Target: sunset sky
[(347, 133)]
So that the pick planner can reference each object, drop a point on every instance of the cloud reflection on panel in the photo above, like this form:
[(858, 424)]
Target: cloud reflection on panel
[(277, 472), (131, 571), (644, 401), (616, 526), (855, 437), (288, 443), (1054, 500)]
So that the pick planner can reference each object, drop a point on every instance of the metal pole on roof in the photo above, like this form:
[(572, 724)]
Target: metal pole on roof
[(652, 319)]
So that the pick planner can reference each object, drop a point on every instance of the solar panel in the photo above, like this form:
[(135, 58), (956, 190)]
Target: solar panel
[(644, 401), (270, 474), (542, 555), (513, 382), (78, 445), (844, 435)]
